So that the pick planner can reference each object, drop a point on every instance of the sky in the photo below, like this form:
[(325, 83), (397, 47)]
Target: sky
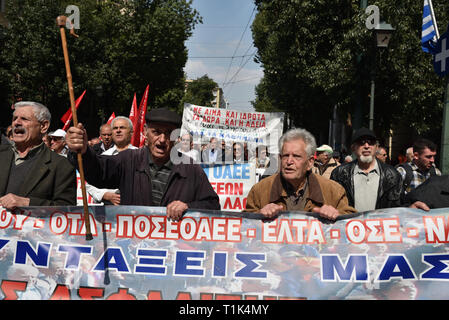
[(222, 47)]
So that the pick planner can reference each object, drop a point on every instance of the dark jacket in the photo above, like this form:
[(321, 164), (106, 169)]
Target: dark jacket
[(434, 192), (129, 171), (390, 183), (4, 140), (98, 147), (52, 182)]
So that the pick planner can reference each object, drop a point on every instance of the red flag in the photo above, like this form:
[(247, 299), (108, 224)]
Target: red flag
[(138, 139), (133, 112), (111, 118), (67, 117)]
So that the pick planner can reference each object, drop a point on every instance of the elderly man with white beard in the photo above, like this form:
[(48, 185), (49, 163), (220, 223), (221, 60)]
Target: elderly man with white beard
[(370, 184)]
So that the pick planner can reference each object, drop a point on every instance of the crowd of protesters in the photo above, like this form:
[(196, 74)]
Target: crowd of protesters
[(38, 168)]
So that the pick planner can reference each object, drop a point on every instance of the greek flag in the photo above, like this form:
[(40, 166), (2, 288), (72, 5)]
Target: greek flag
[(429, 28)]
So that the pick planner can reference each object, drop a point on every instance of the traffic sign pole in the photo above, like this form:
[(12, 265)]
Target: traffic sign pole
[(444, 158), (441, 67)]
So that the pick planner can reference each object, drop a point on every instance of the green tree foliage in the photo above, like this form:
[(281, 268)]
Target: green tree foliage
[(123, 46), (199, 92), (319, 54)]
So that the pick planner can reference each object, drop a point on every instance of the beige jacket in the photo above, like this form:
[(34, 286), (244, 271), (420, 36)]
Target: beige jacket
[(321, 191), (328, 168)]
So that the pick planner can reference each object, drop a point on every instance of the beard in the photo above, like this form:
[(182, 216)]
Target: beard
[(366, 159)]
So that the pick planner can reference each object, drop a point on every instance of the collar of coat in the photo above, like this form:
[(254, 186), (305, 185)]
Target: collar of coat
[(315, 194), (331, 163), (42, 167)]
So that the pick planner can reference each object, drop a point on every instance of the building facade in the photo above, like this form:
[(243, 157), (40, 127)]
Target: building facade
[(219, 101)]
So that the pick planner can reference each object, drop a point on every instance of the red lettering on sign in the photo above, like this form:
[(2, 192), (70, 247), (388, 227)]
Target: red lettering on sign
[(10, 288)]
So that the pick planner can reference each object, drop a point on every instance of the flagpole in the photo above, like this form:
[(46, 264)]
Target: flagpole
[(432, 13), (444, 158), (61, 21)]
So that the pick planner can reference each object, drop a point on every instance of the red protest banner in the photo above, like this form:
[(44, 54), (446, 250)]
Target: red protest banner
[(111, 117), (67, 117), (138, 138), (133, 112)]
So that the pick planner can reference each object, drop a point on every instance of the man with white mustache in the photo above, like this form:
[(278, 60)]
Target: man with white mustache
[(370, 184), (31, 174), (147, 176)]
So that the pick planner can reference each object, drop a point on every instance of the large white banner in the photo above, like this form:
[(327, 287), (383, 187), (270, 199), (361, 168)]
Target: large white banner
[(234, 125)]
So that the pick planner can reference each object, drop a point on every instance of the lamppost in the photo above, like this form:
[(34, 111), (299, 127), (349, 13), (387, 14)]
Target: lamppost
[(100, 111), (383, 32)]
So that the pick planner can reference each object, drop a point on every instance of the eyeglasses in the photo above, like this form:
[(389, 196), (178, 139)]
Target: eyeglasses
[(54, 138), (362, 142)]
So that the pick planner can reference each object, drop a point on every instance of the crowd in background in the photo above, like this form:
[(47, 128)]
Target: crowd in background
[(369, 181)]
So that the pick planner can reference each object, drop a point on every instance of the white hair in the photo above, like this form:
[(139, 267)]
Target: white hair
[(299, 134), (41, 112), (130, 123), (366, 159)]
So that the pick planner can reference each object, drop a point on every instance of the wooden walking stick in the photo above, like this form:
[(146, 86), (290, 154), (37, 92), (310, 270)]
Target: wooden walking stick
[(61, 21)]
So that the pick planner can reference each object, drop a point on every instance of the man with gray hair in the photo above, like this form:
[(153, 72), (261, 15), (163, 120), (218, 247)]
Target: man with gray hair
[(370, 184), (31, 174), (105, 139), (295, 187), (122, 132)]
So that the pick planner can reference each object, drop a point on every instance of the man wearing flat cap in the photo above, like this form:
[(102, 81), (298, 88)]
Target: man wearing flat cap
[(370, 184), (324, 163), (147, 176)]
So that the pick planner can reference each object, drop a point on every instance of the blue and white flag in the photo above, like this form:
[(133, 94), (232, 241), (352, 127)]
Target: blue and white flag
[(429, 28)]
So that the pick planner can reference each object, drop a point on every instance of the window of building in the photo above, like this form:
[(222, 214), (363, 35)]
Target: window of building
[(2, 5)]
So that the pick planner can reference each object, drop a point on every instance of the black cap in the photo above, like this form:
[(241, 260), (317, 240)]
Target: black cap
[(163, 115), (363, 132)]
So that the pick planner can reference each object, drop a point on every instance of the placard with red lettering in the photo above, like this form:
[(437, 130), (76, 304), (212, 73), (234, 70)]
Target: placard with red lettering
[(234, 125), (79, 192)]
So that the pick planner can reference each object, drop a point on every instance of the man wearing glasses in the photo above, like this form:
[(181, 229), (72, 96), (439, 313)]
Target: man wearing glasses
[(57, 142), (369, 183), (382, 154)]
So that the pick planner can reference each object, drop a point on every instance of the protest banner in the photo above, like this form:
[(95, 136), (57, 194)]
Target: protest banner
[(79, 194), (234, 125), (137, 253), (232, 183)]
